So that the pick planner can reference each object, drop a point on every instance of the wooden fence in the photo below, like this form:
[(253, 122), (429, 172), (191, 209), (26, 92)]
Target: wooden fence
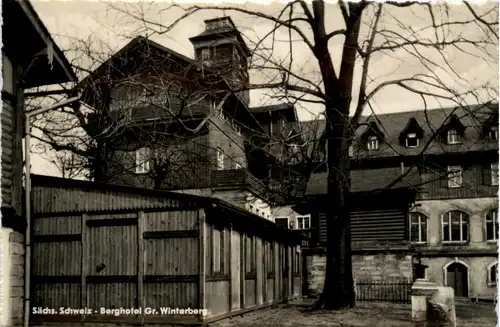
[(108, 249), (384, 291)]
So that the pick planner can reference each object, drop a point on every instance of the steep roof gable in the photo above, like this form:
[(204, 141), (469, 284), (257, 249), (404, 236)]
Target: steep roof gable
[(121, 59), (473, 118)]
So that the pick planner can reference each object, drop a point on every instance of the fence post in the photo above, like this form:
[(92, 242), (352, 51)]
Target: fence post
[(140, 262), (84, 264), (201, 260), (230, 266)]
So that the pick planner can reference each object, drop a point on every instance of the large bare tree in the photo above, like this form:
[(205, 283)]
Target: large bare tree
[(345, 41)]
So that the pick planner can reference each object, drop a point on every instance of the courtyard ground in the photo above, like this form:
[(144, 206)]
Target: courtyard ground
[(364, 314)]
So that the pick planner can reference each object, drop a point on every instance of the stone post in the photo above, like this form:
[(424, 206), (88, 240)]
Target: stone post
[(421, 290), (431, 303)]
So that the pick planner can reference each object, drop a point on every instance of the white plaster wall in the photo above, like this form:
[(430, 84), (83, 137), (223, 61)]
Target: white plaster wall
[(287, 211), (476, 208)]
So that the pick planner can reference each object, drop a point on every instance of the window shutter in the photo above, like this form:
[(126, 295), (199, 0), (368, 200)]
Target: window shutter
[(322, 227), (486, 175)]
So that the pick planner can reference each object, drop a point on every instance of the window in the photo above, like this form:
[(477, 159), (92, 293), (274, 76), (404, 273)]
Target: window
[(493, 134), (492, 226), (205, 54), (492, 274), (282, 222), (142, 160), (494, 174), (453, 137), (454, 176), (412, 140), (303, 222), (220, 160), (455, 227), (418, 228), (372, 143)]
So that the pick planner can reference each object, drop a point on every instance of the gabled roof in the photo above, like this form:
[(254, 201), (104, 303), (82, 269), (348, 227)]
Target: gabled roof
[(136, 42), (373, 130), (412, 126), (24, 37), (150, 110)]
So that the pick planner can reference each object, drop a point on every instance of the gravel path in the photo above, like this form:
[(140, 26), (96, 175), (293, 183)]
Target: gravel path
[(364, 314)]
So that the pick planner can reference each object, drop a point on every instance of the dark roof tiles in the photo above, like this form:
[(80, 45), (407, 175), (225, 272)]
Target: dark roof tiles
[(368, 180)]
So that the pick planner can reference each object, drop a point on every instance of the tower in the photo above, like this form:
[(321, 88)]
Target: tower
[(221, 47)]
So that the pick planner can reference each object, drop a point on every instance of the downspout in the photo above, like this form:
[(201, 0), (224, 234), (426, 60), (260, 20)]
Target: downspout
[(27, 256)]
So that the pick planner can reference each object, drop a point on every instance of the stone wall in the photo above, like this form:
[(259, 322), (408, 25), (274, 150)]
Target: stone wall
[(12, 274), (376, 267)]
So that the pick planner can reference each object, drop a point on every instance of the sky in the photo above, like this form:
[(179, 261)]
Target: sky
[(69, 21)]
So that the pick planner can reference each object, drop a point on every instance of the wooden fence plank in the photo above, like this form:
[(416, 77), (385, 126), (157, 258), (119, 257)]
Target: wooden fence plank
[(140, 263), (243, 269), (227, 256), (201, 259), (84, 262)]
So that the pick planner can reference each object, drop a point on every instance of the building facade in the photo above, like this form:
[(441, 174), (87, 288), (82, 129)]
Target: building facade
[(451, 224), (36, 62), (184, 128)]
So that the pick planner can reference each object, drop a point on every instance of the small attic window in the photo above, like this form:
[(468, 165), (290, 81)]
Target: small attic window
[(493, 133), (453, 137), (205, 54), (372, 143), (412, 140)]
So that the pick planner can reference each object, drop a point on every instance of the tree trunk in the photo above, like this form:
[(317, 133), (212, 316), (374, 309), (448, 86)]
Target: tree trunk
[(338, 290)]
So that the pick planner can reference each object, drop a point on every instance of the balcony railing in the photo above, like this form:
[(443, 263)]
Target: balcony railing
[(306, 235)]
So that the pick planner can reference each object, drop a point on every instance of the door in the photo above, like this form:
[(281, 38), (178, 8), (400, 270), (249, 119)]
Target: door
[(457, 279)]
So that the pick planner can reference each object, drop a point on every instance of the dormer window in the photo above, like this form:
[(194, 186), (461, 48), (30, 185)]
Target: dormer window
[(372, 143), (453, 137), (205, 54), (412, 140)]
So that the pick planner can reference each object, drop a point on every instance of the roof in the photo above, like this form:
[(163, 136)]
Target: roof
[(391, 125), (158, 199), (21, 22), (212, 33), (368, 180), (148, 109), (141, 40)]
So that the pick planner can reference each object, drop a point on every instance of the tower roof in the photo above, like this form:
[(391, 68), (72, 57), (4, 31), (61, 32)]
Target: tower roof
[(220, 28)]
